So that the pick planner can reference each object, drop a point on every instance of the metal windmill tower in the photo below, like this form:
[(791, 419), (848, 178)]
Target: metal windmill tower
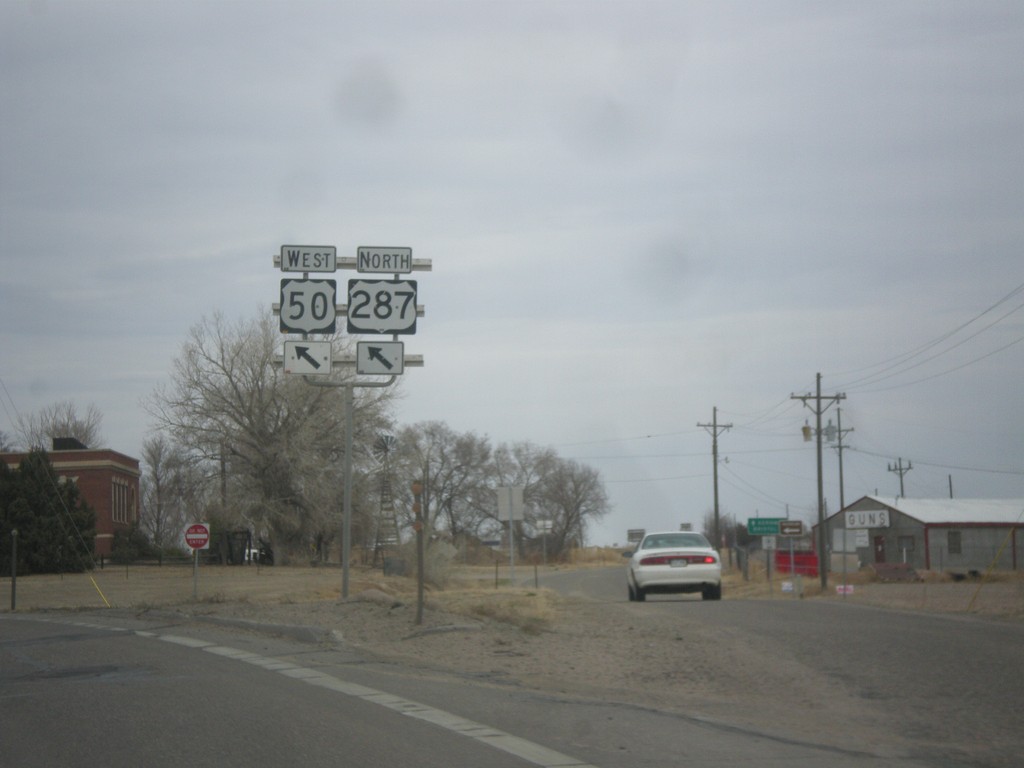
[(387, 536)]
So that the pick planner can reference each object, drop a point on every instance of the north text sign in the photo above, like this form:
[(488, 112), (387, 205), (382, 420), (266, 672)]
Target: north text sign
[(372, 258)]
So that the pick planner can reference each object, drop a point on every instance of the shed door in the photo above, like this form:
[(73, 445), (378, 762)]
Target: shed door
[(879, 549)]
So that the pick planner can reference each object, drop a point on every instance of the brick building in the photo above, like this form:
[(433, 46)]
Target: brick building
[(107, 480)]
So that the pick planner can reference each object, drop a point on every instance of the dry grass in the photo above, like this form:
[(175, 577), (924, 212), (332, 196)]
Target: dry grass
[(998, 594), (151, 587), (480, 592), (532, 611)]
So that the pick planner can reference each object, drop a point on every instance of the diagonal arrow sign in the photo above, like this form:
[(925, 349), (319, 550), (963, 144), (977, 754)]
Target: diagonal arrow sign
[(303, 352), (377, 353), (382, 358)]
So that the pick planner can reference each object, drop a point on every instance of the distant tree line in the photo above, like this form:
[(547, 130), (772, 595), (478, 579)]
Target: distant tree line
[(241, 445), (461, 474)]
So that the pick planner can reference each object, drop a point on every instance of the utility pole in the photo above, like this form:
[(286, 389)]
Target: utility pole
[(840, 432), (818, 410), (417, 508), (14, 569), (901, 471), (714, 429)]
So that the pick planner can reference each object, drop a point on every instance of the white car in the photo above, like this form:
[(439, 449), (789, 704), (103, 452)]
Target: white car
[(674, 562)]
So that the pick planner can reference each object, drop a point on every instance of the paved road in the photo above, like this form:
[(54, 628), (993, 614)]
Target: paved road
[(81, 689), (101, 688), (88, 693), (955, 683)]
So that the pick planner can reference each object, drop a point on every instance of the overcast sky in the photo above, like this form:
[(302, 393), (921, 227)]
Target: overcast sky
[(636, 212)]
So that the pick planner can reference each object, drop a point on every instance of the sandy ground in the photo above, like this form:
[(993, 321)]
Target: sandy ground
[(577, 648)]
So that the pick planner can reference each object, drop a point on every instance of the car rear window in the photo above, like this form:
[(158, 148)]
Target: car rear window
[(674, 540)]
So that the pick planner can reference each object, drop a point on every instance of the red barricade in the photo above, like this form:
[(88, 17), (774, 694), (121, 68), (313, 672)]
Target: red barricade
[(803, 562)]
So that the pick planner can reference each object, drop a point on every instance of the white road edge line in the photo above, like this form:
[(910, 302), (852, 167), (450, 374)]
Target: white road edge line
[(524, 749)]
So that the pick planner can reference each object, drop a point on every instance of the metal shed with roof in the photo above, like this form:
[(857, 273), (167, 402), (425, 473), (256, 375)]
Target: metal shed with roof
[(958, 535)]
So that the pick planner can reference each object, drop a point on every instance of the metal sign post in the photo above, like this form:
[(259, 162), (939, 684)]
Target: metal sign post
[(544, 528), (510, 507), (197, 536), (792, 567), (417, 510), (791, 529), (14, 569), (375, 307)]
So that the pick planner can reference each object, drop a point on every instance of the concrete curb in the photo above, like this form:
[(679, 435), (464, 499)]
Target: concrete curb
[(302, 632)]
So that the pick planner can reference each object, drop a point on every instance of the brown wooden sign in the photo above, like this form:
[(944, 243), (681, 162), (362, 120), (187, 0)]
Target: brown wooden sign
[(791, 528)]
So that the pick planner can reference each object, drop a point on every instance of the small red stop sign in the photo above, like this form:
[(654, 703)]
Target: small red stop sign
[(197, 535)]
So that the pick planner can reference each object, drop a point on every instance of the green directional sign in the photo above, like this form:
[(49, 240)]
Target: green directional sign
[(764, 526)]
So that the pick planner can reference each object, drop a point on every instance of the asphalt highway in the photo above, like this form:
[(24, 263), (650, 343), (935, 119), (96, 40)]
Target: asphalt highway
[(82, 689)]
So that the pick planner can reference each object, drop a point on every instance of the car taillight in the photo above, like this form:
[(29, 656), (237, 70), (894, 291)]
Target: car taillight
[(669, 559)]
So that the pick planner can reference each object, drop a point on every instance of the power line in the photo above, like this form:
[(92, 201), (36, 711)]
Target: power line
[(655, 479), (948, 370), (755, 493), (624, 439), (937, 465), (678, 455), (760, 416), (7, 399), (637, 456), (901, 361), (928, 345)]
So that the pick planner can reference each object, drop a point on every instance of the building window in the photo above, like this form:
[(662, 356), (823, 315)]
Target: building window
[(953, 541), (120, 506), (905, 543)]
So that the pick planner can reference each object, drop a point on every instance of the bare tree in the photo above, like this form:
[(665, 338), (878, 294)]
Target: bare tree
[(461, 473), (271, 443), (455, 471), (172, 491), (572, 495), (62, 419), (522, 464)]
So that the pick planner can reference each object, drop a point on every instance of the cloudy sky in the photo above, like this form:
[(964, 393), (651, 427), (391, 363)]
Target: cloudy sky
[(637, 212)]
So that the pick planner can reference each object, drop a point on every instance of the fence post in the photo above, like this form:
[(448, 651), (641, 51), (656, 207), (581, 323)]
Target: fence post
[(14, 569)]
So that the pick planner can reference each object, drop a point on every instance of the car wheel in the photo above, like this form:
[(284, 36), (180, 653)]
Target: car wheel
[(640, 594), (713, 592), (632, 594)]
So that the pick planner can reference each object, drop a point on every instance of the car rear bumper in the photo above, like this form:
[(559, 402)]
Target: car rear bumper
[(691, 578)]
